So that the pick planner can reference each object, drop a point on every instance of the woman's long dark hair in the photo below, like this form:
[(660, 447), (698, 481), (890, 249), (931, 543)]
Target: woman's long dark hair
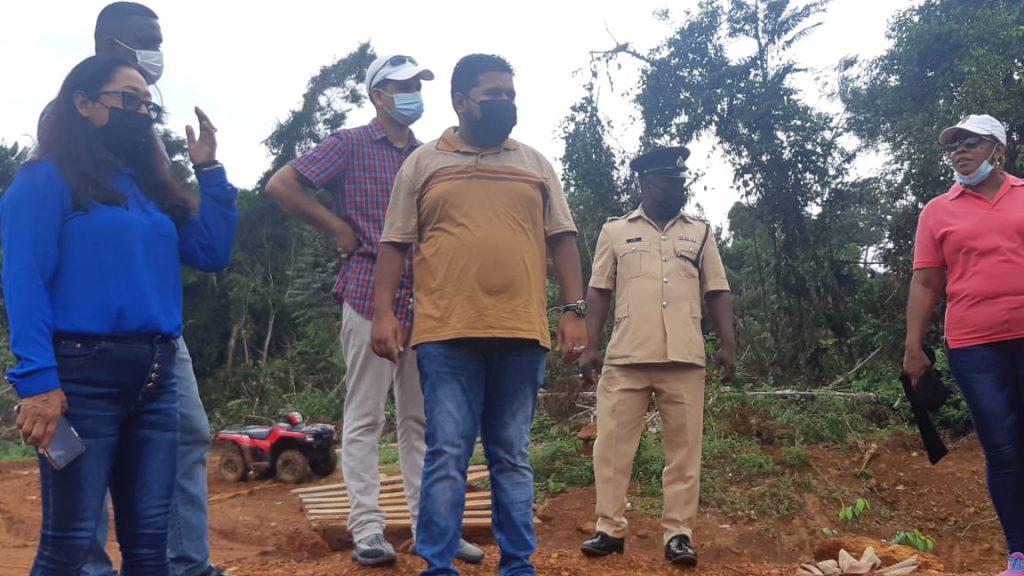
[(70, 140)]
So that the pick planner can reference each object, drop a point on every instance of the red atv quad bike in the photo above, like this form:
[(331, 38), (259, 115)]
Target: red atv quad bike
[(288, 451)]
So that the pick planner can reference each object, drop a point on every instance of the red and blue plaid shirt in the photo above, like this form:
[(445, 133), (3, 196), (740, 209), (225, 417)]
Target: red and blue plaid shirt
[(358, 167)]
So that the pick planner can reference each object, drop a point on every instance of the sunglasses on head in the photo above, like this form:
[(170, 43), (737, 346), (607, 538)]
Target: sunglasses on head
[(132, 101), (969, 142), (392, 62)]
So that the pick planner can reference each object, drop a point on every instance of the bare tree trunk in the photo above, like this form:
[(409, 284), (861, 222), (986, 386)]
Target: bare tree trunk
[(232, 343), (270, 332)]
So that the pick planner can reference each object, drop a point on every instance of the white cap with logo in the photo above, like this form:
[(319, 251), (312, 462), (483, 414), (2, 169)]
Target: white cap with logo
[(395, 67), (981, 124)]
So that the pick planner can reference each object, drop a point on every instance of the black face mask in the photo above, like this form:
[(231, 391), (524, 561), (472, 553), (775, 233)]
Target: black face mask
[(664, 198), (497, 118), (126, 133)]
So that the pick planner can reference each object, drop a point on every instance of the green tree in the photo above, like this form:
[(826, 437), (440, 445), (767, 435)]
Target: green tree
[(947, 59), (792, 274), (11, 158), (266, 330)]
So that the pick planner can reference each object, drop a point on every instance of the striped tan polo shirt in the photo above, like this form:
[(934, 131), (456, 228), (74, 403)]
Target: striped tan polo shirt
[(480, 218)]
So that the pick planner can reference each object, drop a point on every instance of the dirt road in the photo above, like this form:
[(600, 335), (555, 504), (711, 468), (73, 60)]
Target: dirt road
[(258, 529)]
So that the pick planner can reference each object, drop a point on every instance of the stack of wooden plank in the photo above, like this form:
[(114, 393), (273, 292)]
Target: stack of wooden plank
[(328, 505)]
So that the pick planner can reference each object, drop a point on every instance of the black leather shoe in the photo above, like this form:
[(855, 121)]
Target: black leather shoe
[(602, 545), (679, 551)]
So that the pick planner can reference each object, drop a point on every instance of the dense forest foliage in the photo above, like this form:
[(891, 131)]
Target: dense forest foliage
[(818, 255)]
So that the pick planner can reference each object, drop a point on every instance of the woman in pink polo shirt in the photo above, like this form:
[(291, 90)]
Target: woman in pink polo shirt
[(970, 243)]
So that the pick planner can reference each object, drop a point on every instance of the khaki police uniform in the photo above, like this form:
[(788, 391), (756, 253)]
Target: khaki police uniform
[(658, 278)]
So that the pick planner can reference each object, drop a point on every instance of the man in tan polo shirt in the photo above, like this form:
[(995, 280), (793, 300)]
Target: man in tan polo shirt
[(658, 263), (484, 211)]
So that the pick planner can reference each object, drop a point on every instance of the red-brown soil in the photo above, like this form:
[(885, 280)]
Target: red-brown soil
[(258, 529)]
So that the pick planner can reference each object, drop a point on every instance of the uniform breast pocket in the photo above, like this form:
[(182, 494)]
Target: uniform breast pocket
[(686, 258), (634, 258)]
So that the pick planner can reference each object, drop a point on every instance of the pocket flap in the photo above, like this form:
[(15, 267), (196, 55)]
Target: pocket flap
[(632, 247)]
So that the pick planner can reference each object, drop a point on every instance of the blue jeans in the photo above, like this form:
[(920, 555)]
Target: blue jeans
[(188, 543), (991, 377), (123, 401), (488, 385)]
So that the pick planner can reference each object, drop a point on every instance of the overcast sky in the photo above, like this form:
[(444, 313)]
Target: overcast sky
[(247, 63)]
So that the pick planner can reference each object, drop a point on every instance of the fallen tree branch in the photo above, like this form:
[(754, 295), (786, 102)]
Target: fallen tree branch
[(811, 394), (854, 370), (978, 523), (806, 394)]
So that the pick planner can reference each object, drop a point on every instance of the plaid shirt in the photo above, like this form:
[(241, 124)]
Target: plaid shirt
[(358, 167)]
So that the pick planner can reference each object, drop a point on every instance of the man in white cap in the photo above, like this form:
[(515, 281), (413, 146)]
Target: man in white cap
[(358, 166)]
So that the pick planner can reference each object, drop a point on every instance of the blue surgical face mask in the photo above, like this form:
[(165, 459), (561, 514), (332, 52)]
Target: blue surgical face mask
[(978, 175), (408, 108)]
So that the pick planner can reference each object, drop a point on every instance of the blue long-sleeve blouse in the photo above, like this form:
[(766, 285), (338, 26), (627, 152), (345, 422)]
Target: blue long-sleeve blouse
[(106, 271)]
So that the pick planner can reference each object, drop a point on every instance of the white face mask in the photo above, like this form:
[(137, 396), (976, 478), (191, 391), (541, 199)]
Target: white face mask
[(151, 62)]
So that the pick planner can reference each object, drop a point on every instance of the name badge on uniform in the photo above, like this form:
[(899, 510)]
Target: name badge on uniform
[(632, 240), (688, 239)]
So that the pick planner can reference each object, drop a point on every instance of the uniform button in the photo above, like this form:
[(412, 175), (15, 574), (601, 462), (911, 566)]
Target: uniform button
[(664, 238), (664, 304), (664, 280), (150, 385), (664, 258)]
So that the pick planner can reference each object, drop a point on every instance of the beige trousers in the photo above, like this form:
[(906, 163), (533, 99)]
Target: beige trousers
[(369, 378), (623, 394)]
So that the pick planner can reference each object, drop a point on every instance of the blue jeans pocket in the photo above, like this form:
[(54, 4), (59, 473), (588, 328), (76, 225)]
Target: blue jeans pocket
[(73, 349)]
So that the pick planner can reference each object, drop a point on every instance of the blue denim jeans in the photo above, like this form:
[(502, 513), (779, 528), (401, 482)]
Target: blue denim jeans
[(486, 385), (188, 543), (123, 401), (991, 377)]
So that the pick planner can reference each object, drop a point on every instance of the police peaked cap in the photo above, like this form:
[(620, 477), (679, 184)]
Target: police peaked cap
[(665, 161)]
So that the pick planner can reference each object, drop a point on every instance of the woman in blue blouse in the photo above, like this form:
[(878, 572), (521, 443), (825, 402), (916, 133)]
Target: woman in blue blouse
[(94, 233)]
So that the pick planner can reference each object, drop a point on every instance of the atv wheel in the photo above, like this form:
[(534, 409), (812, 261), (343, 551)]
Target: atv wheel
[(232, 465), (324, 463), (292, 467)]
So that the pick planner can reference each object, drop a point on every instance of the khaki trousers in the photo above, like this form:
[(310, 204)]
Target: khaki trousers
[(623, 394), (369, 378)]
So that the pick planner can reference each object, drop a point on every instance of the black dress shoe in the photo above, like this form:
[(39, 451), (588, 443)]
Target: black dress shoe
[(602, 545), (679, 551)]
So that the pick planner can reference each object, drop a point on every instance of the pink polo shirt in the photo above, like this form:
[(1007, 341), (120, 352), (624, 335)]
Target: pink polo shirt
[(980, 244)]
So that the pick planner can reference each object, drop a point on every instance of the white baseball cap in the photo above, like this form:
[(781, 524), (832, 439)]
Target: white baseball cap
[(395, 67), (981, 124)]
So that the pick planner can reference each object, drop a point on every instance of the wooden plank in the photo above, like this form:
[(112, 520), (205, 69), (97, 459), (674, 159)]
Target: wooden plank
[(466, 523), (388, 499), (470, 523), (475, 505), (315, 489), (475, 474), (400, 514)]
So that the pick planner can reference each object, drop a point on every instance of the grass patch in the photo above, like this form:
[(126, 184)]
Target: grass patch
[(795, 457), (16, 450), (753, 464), (649, 463), (388, 454), (558, 464)]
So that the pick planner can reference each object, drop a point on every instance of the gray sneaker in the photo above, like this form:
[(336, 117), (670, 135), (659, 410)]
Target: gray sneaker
[(373, 550), (469, 553), (466, 552)]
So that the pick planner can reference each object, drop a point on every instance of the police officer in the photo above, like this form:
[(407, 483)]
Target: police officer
[(658, 263)]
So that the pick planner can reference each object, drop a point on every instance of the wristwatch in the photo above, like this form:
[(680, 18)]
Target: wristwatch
[(579, 307)]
